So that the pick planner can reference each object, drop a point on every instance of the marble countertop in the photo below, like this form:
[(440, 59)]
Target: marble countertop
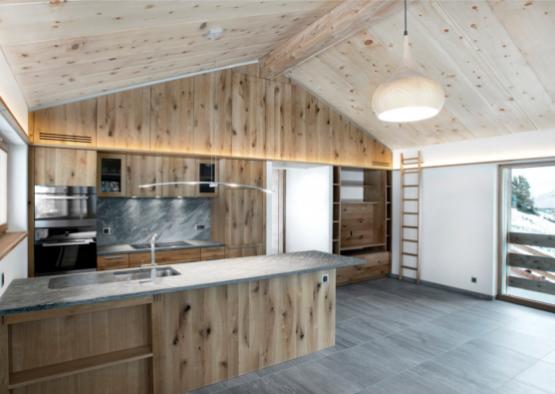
[(127, 248), (32, 294)]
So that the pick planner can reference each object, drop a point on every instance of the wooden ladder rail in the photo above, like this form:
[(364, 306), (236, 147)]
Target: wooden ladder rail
[(412, 165)]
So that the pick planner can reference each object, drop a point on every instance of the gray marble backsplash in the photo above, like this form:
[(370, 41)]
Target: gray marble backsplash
[(135, 220)]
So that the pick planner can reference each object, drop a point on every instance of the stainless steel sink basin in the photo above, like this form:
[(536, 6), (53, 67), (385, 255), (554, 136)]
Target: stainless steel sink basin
[(62, 282), (177, 244)]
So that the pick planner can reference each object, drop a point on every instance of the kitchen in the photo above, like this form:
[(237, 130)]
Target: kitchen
[(199, 198)]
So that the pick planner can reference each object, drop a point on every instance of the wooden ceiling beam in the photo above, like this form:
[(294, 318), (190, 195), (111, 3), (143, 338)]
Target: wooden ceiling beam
[(339, 24)]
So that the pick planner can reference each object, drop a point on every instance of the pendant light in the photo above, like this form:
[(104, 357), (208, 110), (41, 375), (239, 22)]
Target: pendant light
[(407, 96)]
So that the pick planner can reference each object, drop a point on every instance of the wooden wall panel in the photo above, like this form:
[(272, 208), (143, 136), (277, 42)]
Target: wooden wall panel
[(231, 113), (64, 167), (239, 216), (123, 119), (212, 334), (70, 124), (171, 127)]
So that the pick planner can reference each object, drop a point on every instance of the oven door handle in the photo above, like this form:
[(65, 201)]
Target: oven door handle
[(54, 244)]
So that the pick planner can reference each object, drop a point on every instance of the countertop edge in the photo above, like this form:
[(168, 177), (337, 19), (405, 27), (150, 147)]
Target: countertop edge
[(139, 294)]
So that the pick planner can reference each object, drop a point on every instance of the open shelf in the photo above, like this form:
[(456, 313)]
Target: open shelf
[(359, 202), (54, 371), (363, 246)]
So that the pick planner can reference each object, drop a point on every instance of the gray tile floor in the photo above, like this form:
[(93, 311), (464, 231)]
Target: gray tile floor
[(396, 337)]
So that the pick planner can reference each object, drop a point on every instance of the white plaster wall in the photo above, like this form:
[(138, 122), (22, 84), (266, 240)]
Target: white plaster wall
[(14, 265), (308, 209), (11, 94), (457, 228)]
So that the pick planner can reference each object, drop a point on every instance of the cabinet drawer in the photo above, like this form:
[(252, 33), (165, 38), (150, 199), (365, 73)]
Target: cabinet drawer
[(112, 262), (178, 256), (212, 253), (138, 259)]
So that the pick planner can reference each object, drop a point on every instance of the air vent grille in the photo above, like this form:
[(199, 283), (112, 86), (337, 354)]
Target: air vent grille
[(65, 138)]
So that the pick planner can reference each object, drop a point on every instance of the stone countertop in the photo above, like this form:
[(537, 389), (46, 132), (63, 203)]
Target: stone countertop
[(32, 294), (127, 248)]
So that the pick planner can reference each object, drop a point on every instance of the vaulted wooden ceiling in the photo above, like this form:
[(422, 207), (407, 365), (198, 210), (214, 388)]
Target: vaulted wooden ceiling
[(62, 50), (494, 58)]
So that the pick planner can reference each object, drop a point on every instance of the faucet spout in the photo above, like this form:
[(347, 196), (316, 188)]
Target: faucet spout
[(153, 249)]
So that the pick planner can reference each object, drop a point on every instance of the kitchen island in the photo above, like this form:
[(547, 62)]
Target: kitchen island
[(208, 322)]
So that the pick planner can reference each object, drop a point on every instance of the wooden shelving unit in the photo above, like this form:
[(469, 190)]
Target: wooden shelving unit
[(362, 221)]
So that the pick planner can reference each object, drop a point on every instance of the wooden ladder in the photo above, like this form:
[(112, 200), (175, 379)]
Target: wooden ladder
[(410, 166)]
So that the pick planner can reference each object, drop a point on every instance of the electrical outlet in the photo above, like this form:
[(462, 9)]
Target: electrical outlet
[(325, 278), (200, 227), (107, 230), (2, 280), (473, 279)]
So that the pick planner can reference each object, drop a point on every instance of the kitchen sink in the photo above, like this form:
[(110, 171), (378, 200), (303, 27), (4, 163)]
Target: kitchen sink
[(177, 244), (62, 282)]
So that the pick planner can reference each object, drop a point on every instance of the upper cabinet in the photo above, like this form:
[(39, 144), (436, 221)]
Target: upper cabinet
[(68, 125), (111, 175), (64, 167)]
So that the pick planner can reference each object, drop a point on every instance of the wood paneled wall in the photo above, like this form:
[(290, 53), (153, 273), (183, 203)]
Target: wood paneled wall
[(231, 113), (238, 215), (208, 335), (64, 167)]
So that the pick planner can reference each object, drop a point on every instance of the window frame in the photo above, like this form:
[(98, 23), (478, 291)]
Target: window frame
[(4, 147)]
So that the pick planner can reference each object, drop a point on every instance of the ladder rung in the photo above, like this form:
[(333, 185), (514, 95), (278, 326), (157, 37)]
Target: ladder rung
[(410, 213), (405, 226), (406, 267), (411, 185), (410, 240), (409, 159), (410, 199), (410, 254), (411, 170)]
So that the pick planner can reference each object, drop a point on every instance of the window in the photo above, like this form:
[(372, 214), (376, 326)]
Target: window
[(3, 186)]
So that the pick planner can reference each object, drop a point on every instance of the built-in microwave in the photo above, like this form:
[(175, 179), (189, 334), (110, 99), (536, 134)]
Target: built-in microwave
[(65, 229)]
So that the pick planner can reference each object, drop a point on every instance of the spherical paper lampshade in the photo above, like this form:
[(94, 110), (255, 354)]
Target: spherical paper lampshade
[(407, 96)]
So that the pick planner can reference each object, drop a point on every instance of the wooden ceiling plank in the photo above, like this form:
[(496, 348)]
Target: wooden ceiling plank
[(90, 17), (342, 22), (531, 27)]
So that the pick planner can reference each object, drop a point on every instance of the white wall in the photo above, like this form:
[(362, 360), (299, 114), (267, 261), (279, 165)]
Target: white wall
[(518, 146), (14, 265), (11, 94), (308, 209), (457, 228)]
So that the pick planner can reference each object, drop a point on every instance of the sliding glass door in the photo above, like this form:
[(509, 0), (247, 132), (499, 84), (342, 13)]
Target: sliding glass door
[(527, 232)]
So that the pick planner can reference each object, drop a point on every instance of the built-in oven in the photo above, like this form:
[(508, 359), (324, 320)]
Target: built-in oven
[(65, 229)]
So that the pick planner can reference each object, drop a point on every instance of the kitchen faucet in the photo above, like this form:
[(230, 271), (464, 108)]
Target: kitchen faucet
[(152, 264)]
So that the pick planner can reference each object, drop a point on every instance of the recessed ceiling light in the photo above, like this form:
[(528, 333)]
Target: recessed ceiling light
[(215, 32)]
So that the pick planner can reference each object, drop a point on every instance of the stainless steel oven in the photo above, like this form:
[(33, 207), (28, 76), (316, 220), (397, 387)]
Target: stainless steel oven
[(65, 229)]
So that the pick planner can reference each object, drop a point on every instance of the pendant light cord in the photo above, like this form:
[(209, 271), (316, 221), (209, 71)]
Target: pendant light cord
[(406, 29)]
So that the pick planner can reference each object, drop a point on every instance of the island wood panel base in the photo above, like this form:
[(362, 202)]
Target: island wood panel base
[(169, 343), (378, 266), (208, 335)]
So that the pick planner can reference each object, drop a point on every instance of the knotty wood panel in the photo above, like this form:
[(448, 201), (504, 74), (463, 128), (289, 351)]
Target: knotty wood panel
[(64, 167), (77, 336), (378, 266), (208, 335), (541, 263), (71, 124), (238, 215), (123, 119), (231, 113), (127, 378)]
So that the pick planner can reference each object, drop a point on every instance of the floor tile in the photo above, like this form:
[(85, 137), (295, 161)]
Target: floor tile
[(540, 375), (531, 345)]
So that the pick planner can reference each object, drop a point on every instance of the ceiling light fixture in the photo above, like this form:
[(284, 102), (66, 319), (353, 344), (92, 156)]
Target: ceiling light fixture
[(407, 96), (209, 183)]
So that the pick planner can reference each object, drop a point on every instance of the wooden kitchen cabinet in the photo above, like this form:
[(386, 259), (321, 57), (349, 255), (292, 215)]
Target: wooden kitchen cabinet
[(111, 175), (64, 167), (212, 253), (71, 124), (116, 261), (165, 257)]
